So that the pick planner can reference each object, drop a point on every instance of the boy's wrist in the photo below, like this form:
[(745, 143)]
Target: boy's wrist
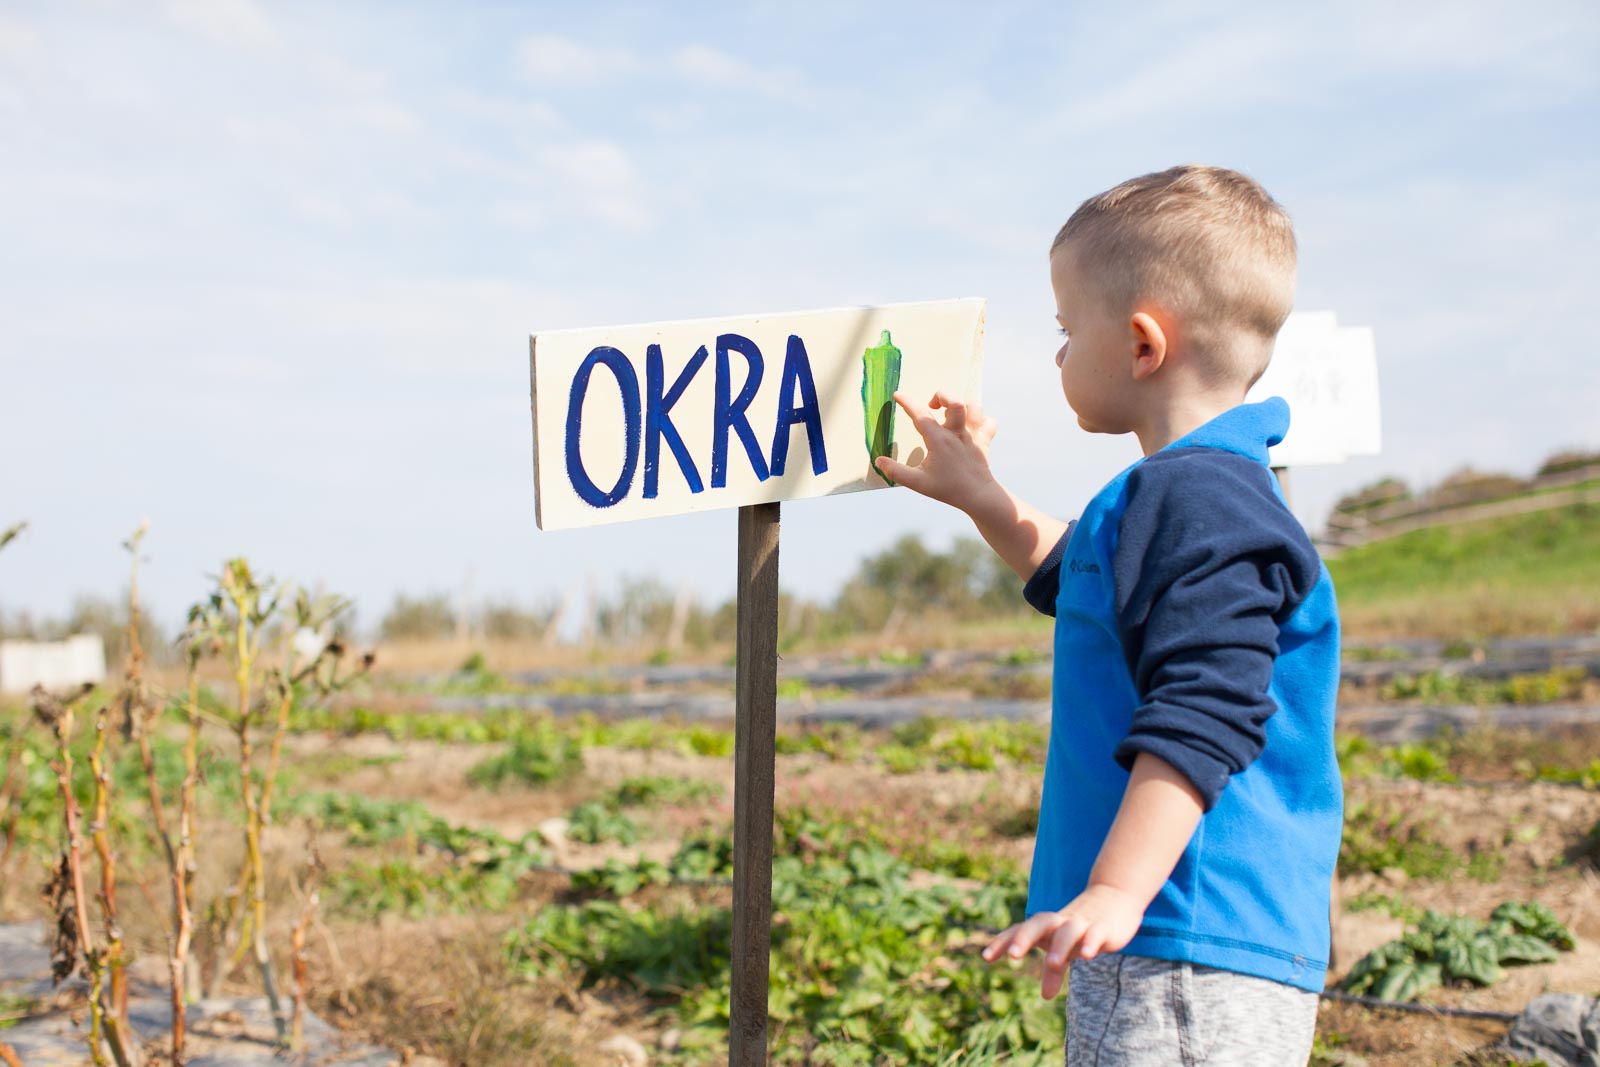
[(986, 501), (1135, 900)]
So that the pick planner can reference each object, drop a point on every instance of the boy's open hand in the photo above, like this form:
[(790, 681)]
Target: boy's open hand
[(1100, 919), (956, 467)]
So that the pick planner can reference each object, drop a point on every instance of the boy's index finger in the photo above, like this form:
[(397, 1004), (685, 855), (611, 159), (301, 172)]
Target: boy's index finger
[(920, 416)]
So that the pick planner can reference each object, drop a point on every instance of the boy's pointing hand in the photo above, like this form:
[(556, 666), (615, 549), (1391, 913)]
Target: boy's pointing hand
[(955, 469)]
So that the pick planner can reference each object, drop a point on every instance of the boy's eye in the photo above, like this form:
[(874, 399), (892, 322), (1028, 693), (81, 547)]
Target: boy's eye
[(1064, 333)]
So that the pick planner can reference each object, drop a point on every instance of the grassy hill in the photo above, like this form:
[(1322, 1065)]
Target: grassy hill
[(1534, 573)]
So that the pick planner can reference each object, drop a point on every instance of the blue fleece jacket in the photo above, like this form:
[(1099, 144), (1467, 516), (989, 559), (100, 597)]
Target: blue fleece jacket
[(1195, 621)]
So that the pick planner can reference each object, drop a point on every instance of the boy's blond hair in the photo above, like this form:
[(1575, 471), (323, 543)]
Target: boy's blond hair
[(1204, 243)]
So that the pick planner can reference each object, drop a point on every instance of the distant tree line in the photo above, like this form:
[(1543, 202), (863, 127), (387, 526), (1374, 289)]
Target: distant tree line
[(888, 590), (1465, 486), (90, 614)]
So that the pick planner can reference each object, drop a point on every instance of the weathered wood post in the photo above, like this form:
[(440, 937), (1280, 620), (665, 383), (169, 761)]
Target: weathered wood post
[(754, 738)]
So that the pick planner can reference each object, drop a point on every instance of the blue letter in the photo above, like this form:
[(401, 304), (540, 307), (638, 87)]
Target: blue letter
[(730, 414), (797, 371), (628, 382), (658, 419)]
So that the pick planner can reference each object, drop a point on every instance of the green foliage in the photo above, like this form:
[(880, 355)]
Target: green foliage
[(861, 961), (663, 790), (1443, 948), (13, 1006), (371, 821), (1360, 758), (1324, 1050), (469, 870), (1375, 839), (368, 890), (1541, 687), (707, 741), (1586, 776), (840, 742), (595, 821), (971, 744), (617, 879), (902, 759), (537, 755), (36, 813)]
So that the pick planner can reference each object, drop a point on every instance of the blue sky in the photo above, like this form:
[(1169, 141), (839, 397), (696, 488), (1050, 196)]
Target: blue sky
[(269, 270)]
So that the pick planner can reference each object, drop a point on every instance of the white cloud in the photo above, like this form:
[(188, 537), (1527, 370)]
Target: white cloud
[(548, 57), (382, 117), (235, 22), (516, 113), (601, 176), (711, 66), (276, 135), (323, 209), (1295, 54)]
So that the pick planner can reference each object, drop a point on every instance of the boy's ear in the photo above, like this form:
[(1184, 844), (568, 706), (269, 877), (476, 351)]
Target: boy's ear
[(1149, 345)]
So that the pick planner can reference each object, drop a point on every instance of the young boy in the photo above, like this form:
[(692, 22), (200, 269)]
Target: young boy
[(1192, 805)]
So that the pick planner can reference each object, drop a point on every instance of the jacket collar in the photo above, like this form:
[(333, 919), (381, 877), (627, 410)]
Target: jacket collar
[(1249, 430)]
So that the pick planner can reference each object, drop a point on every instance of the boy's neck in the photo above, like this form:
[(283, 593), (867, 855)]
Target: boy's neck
[(1172, 419)]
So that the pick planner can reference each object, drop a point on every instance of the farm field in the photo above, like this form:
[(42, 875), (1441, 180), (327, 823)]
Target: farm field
[(531, 870)]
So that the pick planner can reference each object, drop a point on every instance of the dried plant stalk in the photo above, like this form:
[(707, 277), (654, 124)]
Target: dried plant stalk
[(74, 937), (297, 944), (113, 967), (244, 593)]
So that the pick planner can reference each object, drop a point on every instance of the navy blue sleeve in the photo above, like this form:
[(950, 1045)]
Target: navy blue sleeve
[(1040, 590), (1208, 565)]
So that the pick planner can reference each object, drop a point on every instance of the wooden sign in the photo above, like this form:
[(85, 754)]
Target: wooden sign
[(1329, 375), (637, 422)]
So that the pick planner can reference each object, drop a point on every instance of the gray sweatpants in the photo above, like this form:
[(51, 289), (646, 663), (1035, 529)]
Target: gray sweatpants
[(1133, 1011)]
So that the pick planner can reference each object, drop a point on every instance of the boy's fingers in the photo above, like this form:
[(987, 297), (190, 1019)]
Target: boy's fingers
[(920, 416), (910, 477), (955, 408), (993, 949), (1032, 931), (1064, 945), (1093, 941)]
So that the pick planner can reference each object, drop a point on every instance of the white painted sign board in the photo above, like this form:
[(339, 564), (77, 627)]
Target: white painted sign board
[(636, 422), (1329, 375)]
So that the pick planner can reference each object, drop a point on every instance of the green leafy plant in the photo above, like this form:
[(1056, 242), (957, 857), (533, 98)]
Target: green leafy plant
[(537, 755), (662, 790), (1444, 948), (595, 821)]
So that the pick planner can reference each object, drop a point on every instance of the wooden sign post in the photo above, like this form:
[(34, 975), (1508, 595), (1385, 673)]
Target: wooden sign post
[(728, 398)]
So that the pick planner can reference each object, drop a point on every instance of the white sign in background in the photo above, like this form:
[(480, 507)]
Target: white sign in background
[(614, 407), (1329, 375)]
